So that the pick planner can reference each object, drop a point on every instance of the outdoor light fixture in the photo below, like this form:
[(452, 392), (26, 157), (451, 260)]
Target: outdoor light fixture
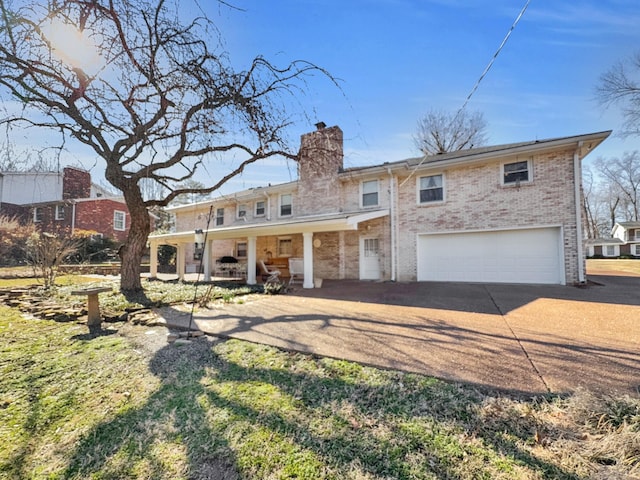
[(199, 238)]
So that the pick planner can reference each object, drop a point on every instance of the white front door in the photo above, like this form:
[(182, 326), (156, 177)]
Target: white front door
[(369, 258)]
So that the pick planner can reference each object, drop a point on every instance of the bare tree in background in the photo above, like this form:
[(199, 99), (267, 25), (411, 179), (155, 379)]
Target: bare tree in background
[(620, 86), (442, 132), (623, 176), (151, 95)]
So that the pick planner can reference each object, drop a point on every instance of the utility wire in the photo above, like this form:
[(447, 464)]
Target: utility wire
[(477, 84), (493, 59)]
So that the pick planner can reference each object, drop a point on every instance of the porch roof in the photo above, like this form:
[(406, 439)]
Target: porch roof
[(303, 224)]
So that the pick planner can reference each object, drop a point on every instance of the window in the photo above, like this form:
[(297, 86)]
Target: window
[(38, 214), (59, 212), (371, 247), (242, 210), (637, 236), (241, 249), (370, 193), (260, 208), (636, 250), (610, 251), (285, 204), (285, 247), (431, 189), (219, 216), (516, 173), (119, 220)]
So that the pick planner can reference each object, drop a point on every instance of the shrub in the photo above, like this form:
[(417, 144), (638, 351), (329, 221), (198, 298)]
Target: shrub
[(92, 247), (13, 238), (46, 252)]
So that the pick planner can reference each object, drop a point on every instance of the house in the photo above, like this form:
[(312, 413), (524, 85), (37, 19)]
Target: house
[(624, 241), (507, 213), (63, 202)]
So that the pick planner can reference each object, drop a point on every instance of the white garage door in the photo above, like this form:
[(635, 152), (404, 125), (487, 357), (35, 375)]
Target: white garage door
[(507, 256)]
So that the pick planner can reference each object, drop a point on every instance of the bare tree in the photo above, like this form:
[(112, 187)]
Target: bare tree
[(46, 252), (149, 94), (441, 132), (620, 85), (623, 175)]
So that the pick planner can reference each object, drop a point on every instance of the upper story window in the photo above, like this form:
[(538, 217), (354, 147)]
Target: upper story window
[(286, 204), (38, 214), (119, 220), (260, 208), (516, 173), (242, 210), (370, 193), (219, 216), (637, 236), (59, 212), (431, 188)]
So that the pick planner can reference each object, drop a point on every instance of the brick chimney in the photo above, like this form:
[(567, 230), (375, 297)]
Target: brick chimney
[(320, 160), (76, 183)]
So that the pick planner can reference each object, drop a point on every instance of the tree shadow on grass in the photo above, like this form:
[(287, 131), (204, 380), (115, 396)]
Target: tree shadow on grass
[(235, 420), (134, 443)]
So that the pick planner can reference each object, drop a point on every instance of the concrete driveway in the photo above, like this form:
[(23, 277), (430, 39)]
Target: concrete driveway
[(524, 338)]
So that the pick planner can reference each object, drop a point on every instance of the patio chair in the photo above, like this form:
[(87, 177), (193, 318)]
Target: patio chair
[(296, 270), (273, 276)]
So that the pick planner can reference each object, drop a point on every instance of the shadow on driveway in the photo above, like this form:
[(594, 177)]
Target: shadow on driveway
[(522, 338)]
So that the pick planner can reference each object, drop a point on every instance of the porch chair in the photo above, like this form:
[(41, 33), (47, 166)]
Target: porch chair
[(296, 270), (273, 276)]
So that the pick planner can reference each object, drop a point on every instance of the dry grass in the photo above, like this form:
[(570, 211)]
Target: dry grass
[(604, 266)]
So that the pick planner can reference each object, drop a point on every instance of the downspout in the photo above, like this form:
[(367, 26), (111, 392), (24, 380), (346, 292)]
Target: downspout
[(73, 217), (268, 205), (392, 221), (577, 172)]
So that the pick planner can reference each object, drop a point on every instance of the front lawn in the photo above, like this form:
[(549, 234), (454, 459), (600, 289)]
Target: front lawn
[(602, 266), (125, 405)]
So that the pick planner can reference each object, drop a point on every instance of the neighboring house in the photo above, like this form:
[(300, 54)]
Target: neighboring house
[(625, 240), (63, 203), (507, 213)]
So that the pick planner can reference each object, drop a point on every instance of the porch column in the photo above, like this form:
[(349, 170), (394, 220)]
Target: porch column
[(206, 257), (307, 238), (153, 260), (180, 260), (251, 260)]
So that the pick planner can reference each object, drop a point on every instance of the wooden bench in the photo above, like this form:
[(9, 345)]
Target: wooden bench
[(93, 305)]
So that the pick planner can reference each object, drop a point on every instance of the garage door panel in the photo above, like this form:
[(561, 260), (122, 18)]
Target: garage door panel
[(511, 256)]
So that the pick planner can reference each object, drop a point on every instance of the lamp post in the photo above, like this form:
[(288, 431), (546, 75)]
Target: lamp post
[(199, 238)]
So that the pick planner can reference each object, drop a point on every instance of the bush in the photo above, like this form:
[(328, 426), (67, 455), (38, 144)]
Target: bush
[(46, 252), (92, 248), (13, 238)]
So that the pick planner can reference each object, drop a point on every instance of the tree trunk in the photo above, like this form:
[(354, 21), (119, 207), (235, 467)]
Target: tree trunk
[(133, 249)]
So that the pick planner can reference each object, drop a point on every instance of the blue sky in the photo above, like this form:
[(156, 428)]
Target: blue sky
[(396, 59)]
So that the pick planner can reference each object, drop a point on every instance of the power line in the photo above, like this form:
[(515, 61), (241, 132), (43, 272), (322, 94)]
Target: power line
[(493, 59)]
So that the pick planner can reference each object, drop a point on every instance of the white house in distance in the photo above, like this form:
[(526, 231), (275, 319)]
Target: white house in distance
[(506, 213), (624, 241)]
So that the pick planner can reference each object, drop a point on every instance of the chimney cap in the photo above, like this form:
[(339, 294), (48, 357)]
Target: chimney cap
[(321, 125)]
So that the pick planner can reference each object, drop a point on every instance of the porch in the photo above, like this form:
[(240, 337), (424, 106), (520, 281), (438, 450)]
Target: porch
[(300, 237)]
